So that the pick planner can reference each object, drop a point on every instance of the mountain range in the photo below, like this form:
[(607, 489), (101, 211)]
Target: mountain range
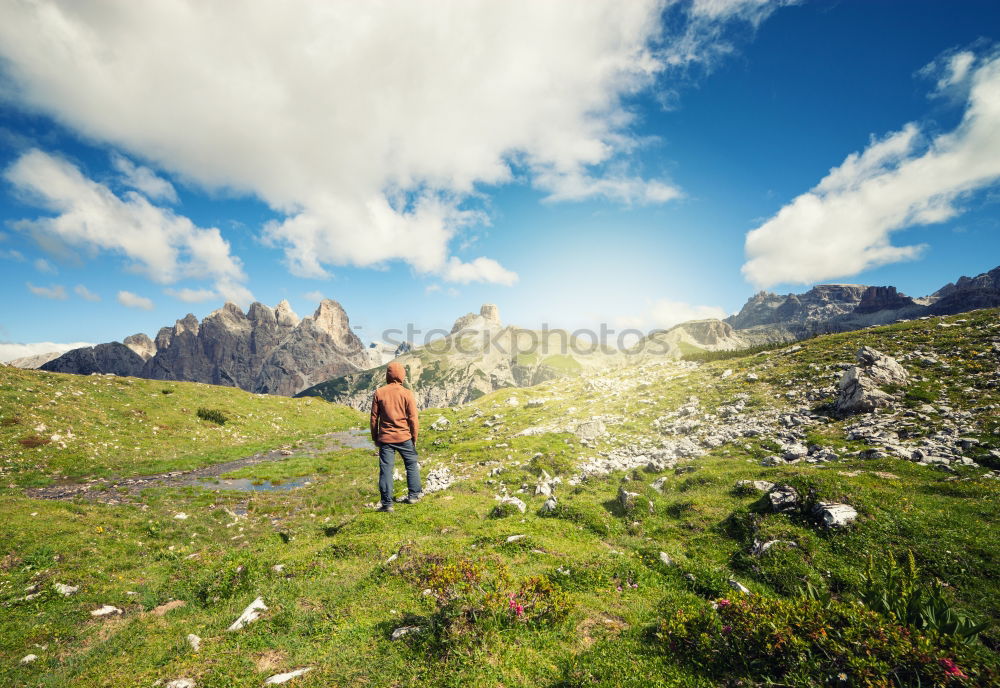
[(272, 351)]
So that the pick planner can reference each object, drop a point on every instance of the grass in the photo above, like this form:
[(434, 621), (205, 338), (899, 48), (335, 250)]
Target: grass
[(337, 599)]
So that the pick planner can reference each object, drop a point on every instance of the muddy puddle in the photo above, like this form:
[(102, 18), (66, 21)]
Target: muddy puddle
[(125, 490)]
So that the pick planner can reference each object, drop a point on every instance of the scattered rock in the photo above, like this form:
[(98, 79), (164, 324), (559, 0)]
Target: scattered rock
[(758, 485), (65, 590), (759, 547), (515, 538), (627, 499), (404, 630), (738, 587), (28, 659), (514, 501), (441, 423), (783, 498), (859, 386), (181, 516), (590, 430), (835, 515), (249, 615), (181, 683), (549, 506), (438, 479), (665, 558), (194, 641), (659, 483), (535, 403), (287, 676), (106, 610)]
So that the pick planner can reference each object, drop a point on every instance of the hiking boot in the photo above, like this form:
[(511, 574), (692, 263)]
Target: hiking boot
[(385, 508), (407, 499)]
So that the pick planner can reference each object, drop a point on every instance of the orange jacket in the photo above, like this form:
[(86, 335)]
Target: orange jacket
[(394, 410)]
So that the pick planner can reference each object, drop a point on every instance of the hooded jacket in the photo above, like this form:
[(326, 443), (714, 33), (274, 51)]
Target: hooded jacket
[(394, 410)]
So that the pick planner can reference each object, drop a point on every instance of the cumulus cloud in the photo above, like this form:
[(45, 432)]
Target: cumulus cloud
[(161, 244), (43, 265), (130, 300), (85, 293), (12, 254), (188, 295), (844, 224), (143, 179), (10, 351), (371, 128), (479, 270), (55, 291), (665, 313), (316, 296)]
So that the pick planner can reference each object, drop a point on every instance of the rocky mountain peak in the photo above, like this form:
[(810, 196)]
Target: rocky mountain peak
[(285, 316), (141, 344), (260, 314), (487, 318), (331, 319), (188, 323)]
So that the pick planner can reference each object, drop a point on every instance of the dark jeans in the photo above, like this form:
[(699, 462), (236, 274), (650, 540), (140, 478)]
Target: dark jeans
[(386, 460)]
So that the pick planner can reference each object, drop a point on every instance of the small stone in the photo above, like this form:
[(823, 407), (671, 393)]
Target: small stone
[(627, 499), (285, 677), (168, 606), (758, 485), (28, 659), (659, 483), (441, 423), (181, 683), (549, 506), (249, 615), (665, 558), (514, 501), (65, 590), (835, 515), (106, 610), (181, 516), (404, 630), (515, 538), (783, 498), (194, 641), (738, 587)]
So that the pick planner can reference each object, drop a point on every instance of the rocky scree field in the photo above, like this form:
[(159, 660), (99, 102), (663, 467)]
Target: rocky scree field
[(799, 516)]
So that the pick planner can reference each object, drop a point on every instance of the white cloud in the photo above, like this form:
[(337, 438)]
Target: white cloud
[(12, 350), (55, 291), (43, 265), (85, 293), (130, 300), (479, 270), (11, 254), (143, 179), (665, 313), (188, 295), (163, 245), (316, 296), (844, 224), (370, 127)]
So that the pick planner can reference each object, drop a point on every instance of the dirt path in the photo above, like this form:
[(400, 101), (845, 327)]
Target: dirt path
[(124, 490)]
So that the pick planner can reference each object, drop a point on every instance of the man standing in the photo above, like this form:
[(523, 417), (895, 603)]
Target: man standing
[(394, 428)]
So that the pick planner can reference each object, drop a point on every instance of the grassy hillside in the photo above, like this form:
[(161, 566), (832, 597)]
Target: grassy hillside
[(66, 427), (585, 597)]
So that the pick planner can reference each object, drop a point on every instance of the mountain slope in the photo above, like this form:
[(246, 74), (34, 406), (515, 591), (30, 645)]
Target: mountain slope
[(264, 350), (654, 469)]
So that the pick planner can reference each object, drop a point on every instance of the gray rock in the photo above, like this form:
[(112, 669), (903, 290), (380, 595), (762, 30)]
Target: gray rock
[(859, 389), (549, 506), (441, 423), (28, 659), (739, 587), (404, 631), (106, 610), (514, 501), (783, 498), (758, 485), (835, 515), (249, 615), (181, 683), (278, 679), (665, 558), (590, 430)]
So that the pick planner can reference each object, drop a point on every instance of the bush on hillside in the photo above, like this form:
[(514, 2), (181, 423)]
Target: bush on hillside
[(803, 641), (212, 415)]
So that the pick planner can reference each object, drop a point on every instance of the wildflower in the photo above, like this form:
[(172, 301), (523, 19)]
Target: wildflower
[(724, 603), (727, 629), (951, 669), (619, 588)]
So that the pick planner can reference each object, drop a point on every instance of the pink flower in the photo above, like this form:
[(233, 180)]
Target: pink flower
[(520, 610), (619, 588), (724, 603), (727, 629), (951, 669)]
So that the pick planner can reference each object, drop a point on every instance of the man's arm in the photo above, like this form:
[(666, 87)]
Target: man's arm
[(411, 415), (374, 420)]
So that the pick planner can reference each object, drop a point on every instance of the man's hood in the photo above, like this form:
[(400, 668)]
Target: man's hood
[(395, 372)]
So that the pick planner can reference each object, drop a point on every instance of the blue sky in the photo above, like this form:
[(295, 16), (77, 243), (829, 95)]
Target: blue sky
[(572, 163)]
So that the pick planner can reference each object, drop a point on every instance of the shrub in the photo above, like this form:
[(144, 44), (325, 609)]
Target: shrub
[(473, 598), (212, 415), (806, 642), (32, 441), (894, 590), (166, 390), (504, 510), (10, 421)]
